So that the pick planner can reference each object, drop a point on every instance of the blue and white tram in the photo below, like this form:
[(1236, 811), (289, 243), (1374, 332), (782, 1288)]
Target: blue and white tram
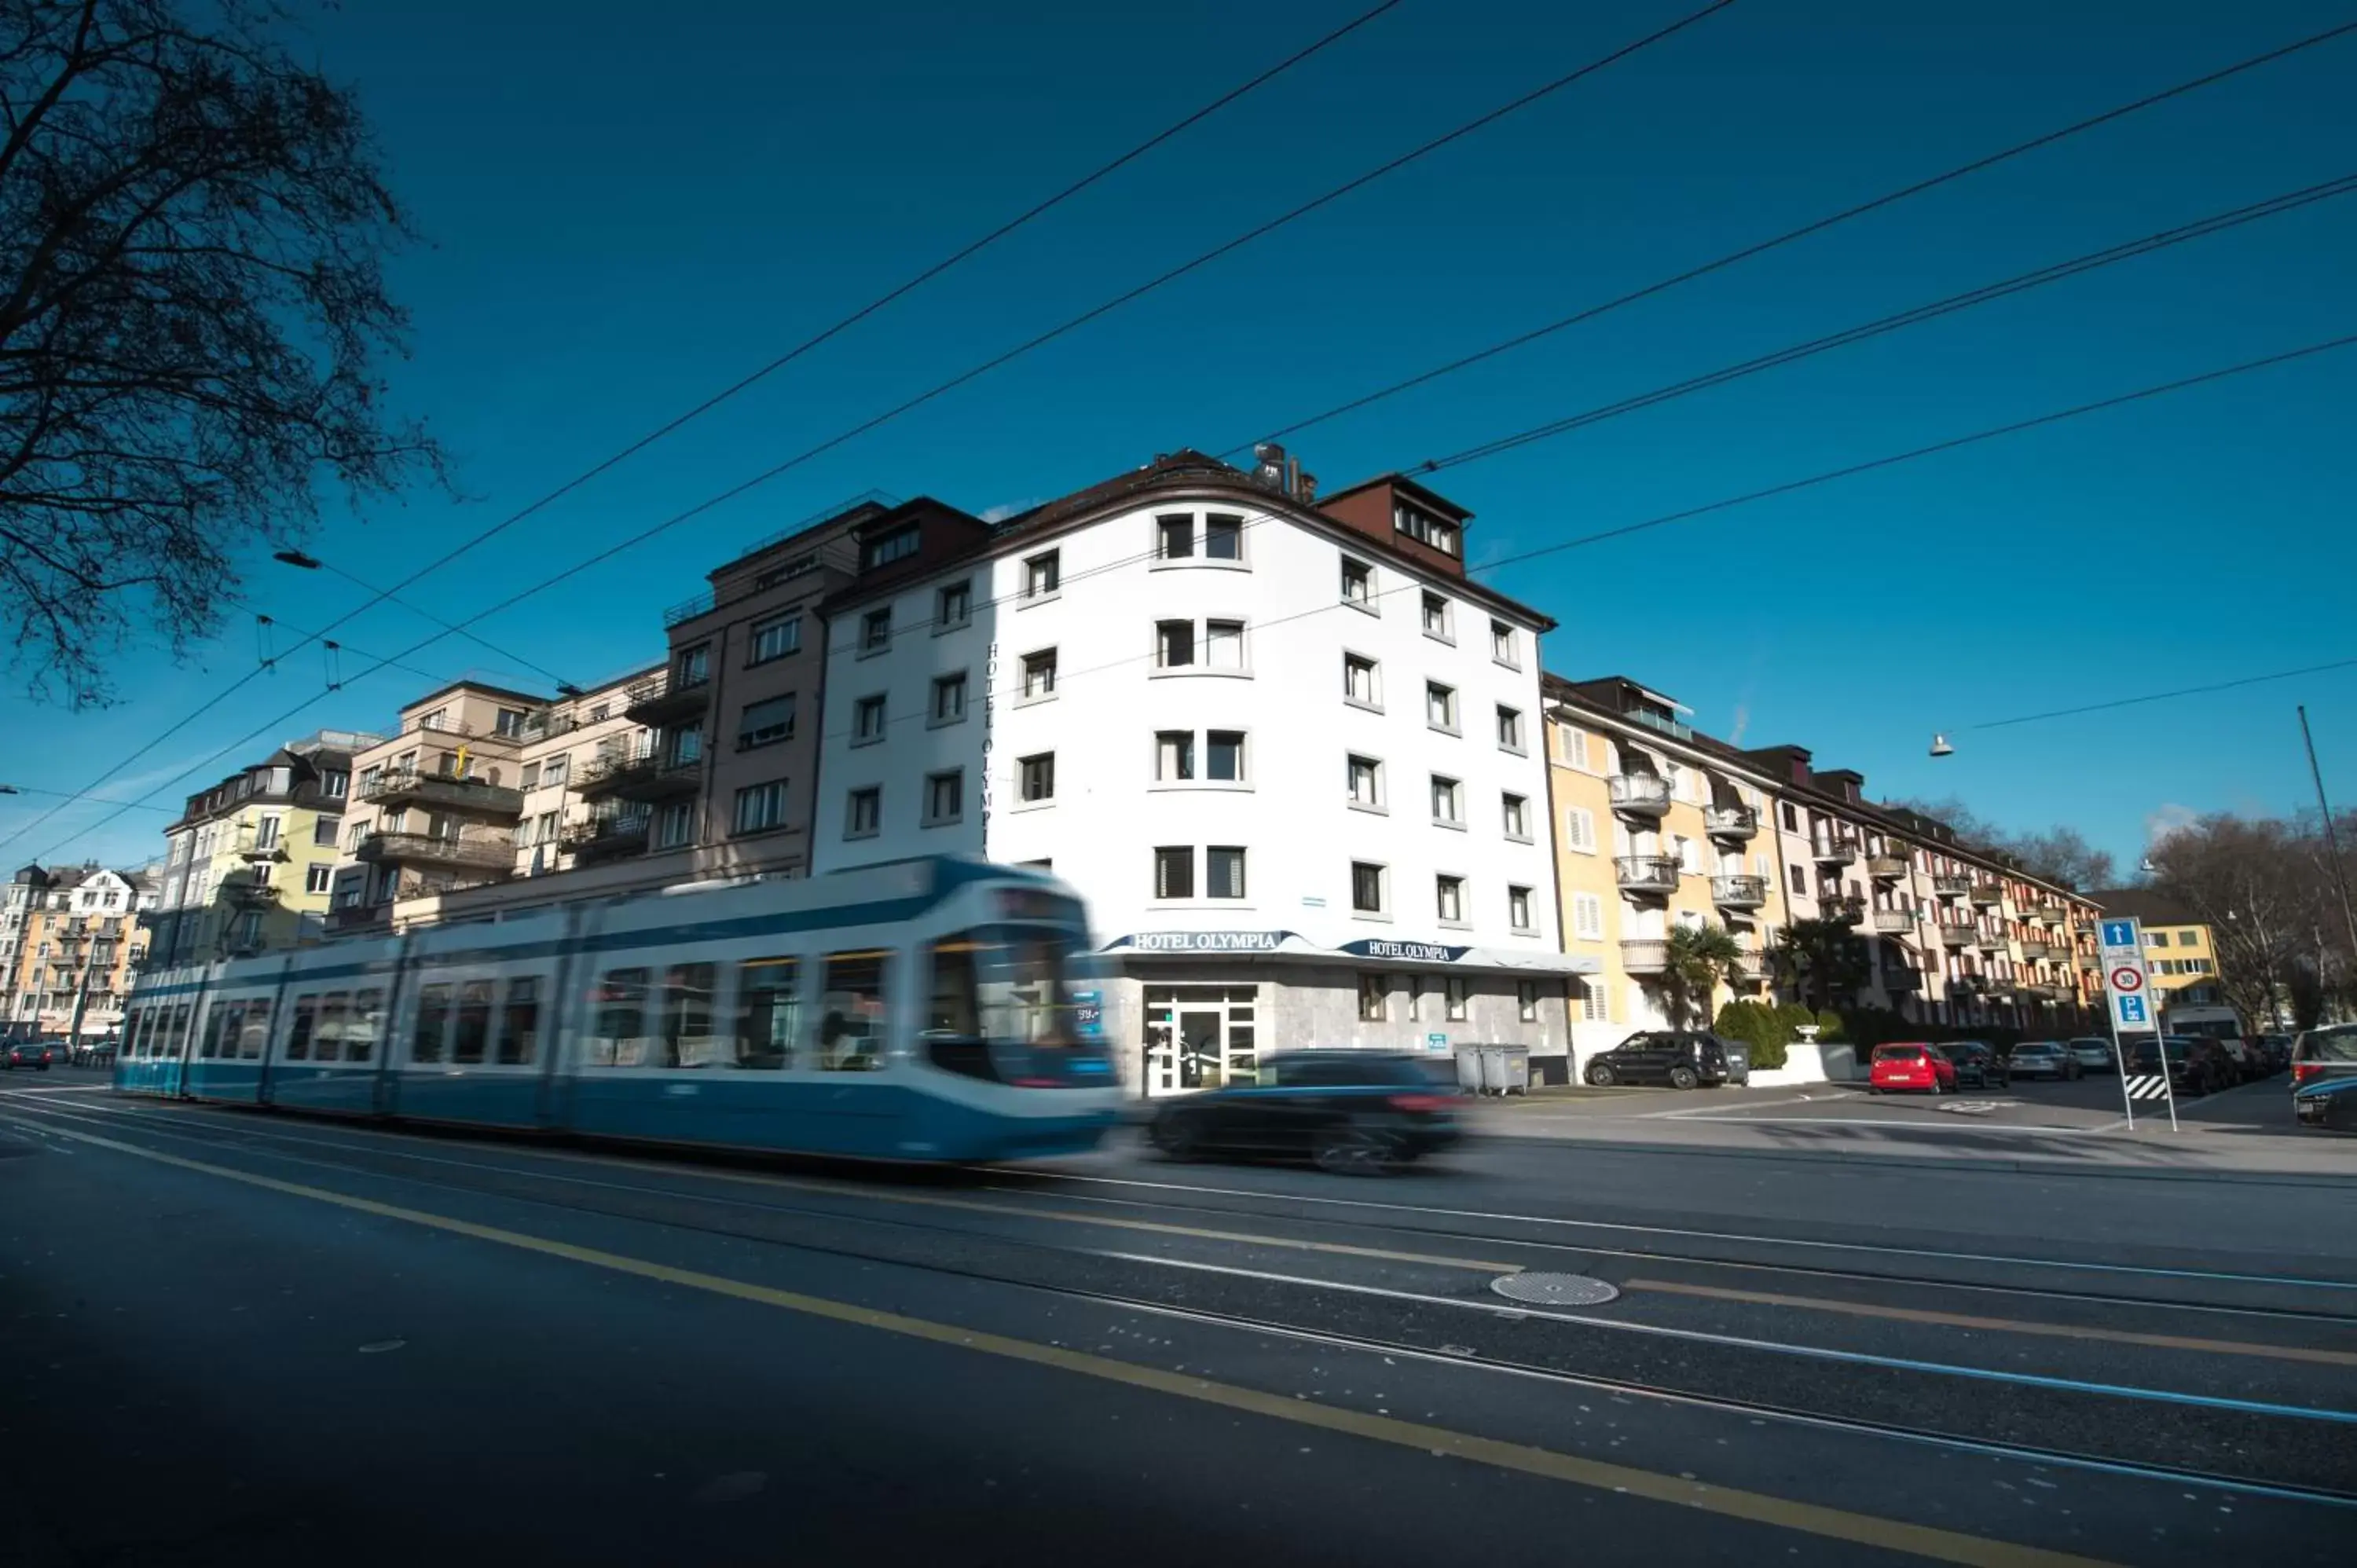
[(921, 1010)]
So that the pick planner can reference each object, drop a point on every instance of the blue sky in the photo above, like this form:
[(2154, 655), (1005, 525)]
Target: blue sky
[(621, 221)]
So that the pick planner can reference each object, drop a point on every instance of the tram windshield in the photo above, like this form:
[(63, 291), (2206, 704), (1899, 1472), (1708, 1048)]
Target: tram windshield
[(1002, 1006)]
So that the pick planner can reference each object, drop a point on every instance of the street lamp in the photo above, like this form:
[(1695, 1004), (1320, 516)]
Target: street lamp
[(1940, 746), (295, 558)]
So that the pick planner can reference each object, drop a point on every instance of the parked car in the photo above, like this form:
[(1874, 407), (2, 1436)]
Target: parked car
[(1976, 1064), (1910, 1065), (2187, 1074), (2317, 1055), (2217, 1070), (2043, 1059), (2242, 1061), (2277, 1049), (1351, 1111), (1683, 1059), (2328, 1104), (2094, 1054), (28, 1054)]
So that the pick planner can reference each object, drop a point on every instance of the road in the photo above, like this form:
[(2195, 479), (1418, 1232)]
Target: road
[(241, 1338)]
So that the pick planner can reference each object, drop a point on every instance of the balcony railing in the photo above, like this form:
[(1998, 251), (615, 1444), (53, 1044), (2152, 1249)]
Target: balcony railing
[(1988, 893), (1737, 824), (665, 699), (1639, 794), (1951, 886), (1894, 922), (1901, 977), (1738, 892), (640, 778), (1989, 940), (1841, 907), (487, 853), (1645, 955), (1886, 867), (2035, 948), (1835, 852), (1959, 935), (1647, 873), (251, 846), (443, 791), (606, 838)]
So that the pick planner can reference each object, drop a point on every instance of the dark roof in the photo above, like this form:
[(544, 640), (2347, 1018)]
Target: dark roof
[(2147, 904), (1431, 501)]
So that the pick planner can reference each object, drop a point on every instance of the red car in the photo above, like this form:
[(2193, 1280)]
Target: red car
[(1912, 1065)]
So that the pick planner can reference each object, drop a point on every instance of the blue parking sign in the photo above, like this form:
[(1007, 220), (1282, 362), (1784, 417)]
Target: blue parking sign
[(2131, 1009)]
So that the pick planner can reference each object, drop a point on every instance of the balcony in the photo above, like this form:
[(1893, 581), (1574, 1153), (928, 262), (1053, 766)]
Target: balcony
[(1989, 895), (1841, 907), (606, 839), (1835, 852), (1967, 985), (1989, 940), (1894, 922), (639, 778), (1959, 935), (1733, 824), (1901, 977), (252, 894), (1645, 955), (1750, 967), (487, 852), (1639, 794), (2032, 948), (661, 700), (250, 848), (1951, 886), (1738, 892), (1885, 867), (1647, 873), (443, 791), (357, 916)]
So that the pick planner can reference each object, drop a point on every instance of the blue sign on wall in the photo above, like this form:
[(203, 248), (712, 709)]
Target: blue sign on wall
[(1088, 1013)]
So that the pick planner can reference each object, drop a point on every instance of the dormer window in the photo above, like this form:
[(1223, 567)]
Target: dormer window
[(887, 547), (1424, 528)]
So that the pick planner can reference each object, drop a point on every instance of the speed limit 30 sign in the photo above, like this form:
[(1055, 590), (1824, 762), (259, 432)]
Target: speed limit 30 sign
[(2127, 979)]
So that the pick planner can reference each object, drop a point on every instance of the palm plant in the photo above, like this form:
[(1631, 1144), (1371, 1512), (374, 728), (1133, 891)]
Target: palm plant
[(1697, 959), (1818, 960)]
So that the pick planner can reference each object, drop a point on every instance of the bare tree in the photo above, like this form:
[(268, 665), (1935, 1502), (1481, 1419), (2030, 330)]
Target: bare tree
[(192, 306), (2252, 882), (2059, 854)]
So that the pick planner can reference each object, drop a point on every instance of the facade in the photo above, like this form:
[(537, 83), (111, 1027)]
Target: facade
[(1656, 824), (70, 942), (2179, 953), (1285, 748), (248, 864)]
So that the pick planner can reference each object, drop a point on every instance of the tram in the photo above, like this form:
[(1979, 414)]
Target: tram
[(917, 1011)]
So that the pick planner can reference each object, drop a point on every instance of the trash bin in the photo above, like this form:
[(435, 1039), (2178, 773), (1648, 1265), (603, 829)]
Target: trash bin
[(1494, 1070)]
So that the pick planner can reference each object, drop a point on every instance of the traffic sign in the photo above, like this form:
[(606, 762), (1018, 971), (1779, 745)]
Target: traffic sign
[(2119, 934), (2128, 977), (2130, 1009)]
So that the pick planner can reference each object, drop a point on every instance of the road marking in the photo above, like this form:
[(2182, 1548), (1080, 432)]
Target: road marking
[(1740, 1105), (1812, 1518), (2001, 1325)]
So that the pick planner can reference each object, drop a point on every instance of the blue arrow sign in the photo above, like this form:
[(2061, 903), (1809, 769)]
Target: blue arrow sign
[(2119, 933)]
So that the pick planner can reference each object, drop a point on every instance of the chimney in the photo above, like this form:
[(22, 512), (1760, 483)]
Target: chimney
[(1305, 490)]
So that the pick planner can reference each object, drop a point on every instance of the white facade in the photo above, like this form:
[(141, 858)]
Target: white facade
[(1267, 942)]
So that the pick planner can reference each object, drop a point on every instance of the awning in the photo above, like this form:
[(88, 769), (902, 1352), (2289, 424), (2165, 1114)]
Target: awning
[(1391, 951)]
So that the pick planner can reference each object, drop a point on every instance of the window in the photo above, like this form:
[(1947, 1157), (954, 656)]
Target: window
[(1449, 898), (433, 1023), (1510, 728), (1800, 877), (876, 630), (885, 549), (1366, 781), (1518, 908), (508, 722), (1689, 856), (694, 667), (1575, 747), (1526, 1000), (319, 878), (1358, 681), (529, 777), (687, 1038), (519, 1037), (1423, 527), (1366, 887), (945, 797), (1358, 583), (1043, 576), (1038, 776), (765, 722), (618, 1005), (776, 638), (435, 718), (1174, 643), (1174, 755), (555, 771), (1174, 537), (769, 1014), (1515, 812), (1447, 800), (674, 825), (953, 606), (2156, 938), (867, 720), (759, 807), (324, 831), (1791, 818), (1224, 756), (949, 698), (866, 816), (1224, 871), (1436, 618), (334, 782), (1454, 991), (1374, 998), (1173, 871), (298, 1029), (1223, 644), (1580, 830), (265, 832), (471, 1039), (1223, 537), (1588, 917), (1440, 706), (1502, 644), (1039, 675)]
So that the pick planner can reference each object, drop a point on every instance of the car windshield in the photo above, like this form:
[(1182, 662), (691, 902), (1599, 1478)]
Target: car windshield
[(2336, 1043), (1898, 1053), (2036, 1049), (1353, 1070)]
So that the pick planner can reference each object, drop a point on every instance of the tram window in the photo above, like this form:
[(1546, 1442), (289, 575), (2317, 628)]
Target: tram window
[(851, 1013), (333, 1030), (519, 1023), (180, 1020), (618, 1012), (952, 1008), (253, 1034), (214, 1020), (366, 1022), (688, 1037), (768, 1013), (298, 1031), (474, 1031), (432, 1021)]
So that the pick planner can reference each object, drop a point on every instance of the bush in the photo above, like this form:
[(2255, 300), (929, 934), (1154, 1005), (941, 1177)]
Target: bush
[(1829, 1027), (1763, 1029)]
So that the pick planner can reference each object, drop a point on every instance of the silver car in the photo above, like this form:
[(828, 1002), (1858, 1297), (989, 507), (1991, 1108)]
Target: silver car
[(2093, 1055)]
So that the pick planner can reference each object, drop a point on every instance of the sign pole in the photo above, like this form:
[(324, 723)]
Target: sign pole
[(2120, 1052), (2128, 994)]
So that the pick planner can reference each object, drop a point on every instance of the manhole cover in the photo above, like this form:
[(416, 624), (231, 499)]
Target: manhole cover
[(1554, 1290)]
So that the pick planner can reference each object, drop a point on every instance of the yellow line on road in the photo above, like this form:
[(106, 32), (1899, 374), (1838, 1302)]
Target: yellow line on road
[(1999, 1325), (1835, 1524)]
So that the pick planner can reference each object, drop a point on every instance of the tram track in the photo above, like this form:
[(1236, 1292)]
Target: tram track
[(2275, 1452)]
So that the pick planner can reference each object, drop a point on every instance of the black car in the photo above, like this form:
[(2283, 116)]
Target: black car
[(2190, 1071), (29, 1053), (2319, 1055), (1976, 1064), (2330, 1104), (1683, 1059), (1355, 1111), (2277, 1049)]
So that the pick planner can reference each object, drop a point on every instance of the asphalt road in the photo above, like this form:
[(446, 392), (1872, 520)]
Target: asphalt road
[(240, 1338)]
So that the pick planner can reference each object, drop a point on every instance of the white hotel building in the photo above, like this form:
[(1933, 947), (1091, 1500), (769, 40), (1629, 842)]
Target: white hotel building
[(1288, 752)]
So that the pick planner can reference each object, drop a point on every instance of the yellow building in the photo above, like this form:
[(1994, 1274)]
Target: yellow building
[(70, 945), (2178, 950)]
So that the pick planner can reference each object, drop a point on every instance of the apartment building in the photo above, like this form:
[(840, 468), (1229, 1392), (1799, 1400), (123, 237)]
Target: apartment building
[(2181, 953), (70, 944), (1283, 744), (248, 862)]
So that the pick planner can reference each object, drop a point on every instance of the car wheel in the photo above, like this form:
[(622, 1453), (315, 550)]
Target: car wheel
[(1350, 1151), (1683, 1076), (1600, 1076), (1176, 1137)]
